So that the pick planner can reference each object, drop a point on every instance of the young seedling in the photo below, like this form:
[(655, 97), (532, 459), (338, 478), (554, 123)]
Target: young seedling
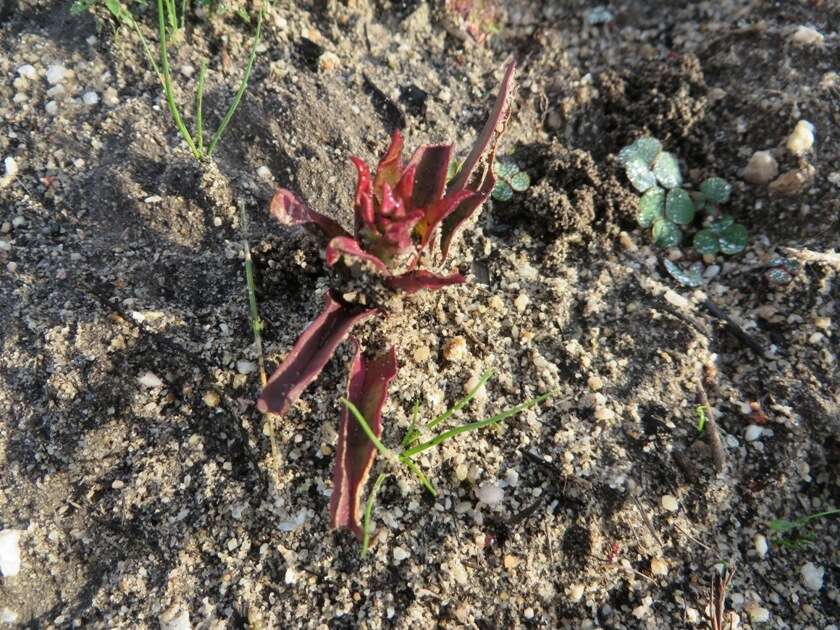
[(410, 446), (509, 178), (788, 534), (169, 24), (669, 209), (399, 211)]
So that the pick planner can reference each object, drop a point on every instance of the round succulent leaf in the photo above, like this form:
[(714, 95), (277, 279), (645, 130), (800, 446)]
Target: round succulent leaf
[(651, 206), (667, 170), (666, 233), (505, 169), (720, 224), (630, 152), (679, 207), (502, 191), (640, 175), (733, 239), (647, 148), (692, 277), (779, 276), (520, 181), (706, 242), (716, 190)]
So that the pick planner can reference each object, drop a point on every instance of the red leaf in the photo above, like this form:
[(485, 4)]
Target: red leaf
[(490, 133), (290, 210), (441, 209), (347, 246), (414, 281), (458, 216), (310, 354), (389, 169), (432, 164), (363, 205), (367, 388)]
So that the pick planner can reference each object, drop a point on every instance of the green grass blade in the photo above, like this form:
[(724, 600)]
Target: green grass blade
[(473, 426), (167, 84), (409, 463), (243, 85), (366, 428), (199, 107), (412, 432), (486, 376), (366, 532), (812, 517)]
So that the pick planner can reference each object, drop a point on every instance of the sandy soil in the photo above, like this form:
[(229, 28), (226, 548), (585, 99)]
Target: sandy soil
[(134, 462)]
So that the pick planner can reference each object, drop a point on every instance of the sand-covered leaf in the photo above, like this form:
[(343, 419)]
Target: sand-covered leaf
[(666, 233), (733, 239), (679, 207), (505, 169), (502, 191), (640, 175), (691, 277), (718, 225), (706, 242), (520, 181), (716, 190), (651, 206), (667, 170)]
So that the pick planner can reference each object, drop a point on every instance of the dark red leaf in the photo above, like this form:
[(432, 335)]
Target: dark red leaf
[(390, 166), (420, 280), (290, 210), (367, 388), (458, 216), (363, 205), (432, 164), (490, 134), (347, 246), (439, 210), (310, 354)]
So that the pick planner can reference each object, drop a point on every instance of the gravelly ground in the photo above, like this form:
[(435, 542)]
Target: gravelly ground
[(136, 466)]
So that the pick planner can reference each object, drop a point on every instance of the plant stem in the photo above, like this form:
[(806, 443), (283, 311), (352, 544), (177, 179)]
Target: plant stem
[(243, 85), (199, 107), (167, 85), (369, 510), (256, 327), (504, 415), (414, 468)]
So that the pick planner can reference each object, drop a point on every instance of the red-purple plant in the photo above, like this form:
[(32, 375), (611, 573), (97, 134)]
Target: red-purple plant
[(398, 214)]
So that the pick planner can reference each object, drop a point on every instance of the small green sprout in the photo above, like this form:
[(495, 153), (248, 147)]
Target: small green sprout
[(509, 178), (411, 446), (700, 410), (668, 208), (787, 531)]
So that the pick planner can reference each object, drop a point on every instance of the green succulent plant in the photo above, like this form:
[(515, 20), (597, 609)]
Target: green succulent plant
[(509, 178), (669, 209)]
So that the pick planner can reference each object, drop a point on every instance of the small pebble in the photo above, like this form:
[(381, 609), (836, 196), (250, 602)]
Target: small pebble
[(263, 172), (458, 572), (246, 367), (328, 61), (658, 567), (753, 432), (529, 613), (11, 168), (421, 354), (455, 349), (627, 242), (760, 543), (802, 139), (521, 302), (762, 168), (52, 108), (595, 383), (575, 592), (56, 73), (807, 36), (187, 70), (677, 300), (8, 616), (118, 484), (211, 398), (9, 552), (150, 380), (510, 562), (90, 98), (490, 494), (400, 554), (27, 71), (757, 613), (669, 502), (175, 618), (812, 576)]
